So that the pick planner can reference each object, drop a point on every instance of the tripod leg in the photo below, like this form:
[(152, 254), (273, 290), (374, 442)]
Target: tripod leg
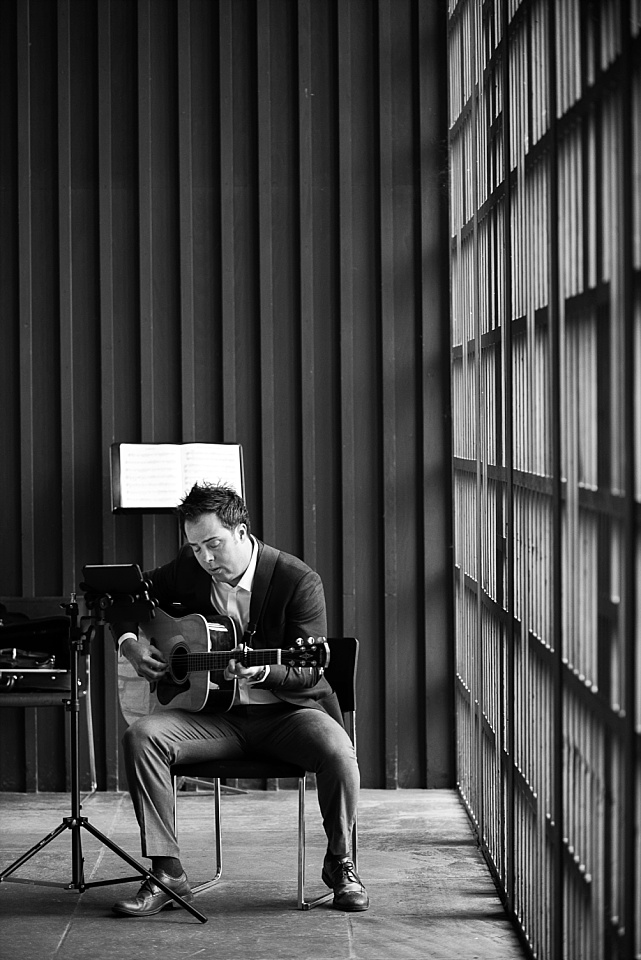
[(77, 859), (30, 853), (144, 872)]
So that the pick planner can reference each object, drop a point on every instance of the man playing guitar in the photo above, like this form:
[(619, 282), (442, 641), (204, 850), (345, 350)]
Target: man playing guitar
[(277, 710)]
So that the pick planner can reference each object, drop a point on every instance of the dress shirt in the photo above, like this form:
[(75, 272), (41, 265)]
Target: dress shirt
[(234, 602)]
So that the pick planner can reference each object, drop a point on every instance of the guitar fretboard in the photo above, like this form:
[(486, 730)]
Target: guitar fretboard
[(218, 659)]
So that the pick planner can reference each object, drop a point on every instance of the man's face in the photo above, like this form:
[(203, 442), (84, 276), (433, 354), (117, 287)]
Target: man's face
[(223, 553)]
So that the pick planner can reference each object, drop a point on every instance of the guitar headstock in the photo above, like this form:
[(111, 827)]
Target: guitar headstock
[(307, 653)]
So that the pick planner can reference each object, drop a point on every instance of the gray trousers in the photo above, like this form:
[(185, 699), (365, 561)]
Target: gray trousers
[(301, 735)]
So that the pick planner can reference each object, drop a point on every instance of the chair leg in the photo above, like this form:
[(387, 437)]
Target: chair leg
[(301, 844), (308, 904), (174, 784), (355, 844), (304, 904), (218, 843), (217, 835)]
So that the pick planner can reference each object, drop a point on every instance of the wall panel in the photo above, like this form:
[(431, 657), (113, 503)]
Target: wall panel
[(222, 221), (544, 225)]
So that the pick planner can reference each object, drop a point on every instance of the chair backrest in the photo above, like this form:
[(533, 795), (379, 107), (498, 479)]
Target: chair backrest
[(341, 674)]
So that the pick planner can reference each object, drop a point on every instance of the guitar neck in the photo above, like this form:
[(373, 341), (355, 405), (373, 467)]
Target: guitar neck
[(218, 659)]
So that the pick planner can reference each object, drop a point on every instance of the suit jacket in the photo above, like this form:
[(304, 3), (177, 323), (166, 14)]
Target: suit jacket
[(293, 606)]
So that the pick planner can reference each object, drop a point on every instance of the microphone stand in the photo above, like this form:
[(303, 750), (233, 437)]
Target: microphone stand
[(76, 823)]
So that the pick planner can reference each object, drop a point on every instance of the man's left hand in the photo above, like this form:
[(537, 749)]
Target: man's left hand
[(236, 670)]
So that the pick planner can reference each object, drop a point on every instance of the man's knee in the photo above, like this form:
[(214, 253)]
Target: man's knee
[(340, 762), (138, 735)]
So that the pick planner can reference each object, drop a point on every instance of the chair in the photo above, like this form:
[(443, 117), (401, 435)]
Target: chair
[(341, 674)]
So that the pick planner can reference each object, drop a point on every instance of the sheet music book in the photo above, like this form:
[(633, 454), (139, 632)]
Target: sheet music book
[(154, 477)]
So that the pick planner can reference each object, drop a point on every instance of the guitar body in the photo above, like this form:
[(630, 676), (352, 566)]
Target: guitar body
[(190, 637), (197, 651)]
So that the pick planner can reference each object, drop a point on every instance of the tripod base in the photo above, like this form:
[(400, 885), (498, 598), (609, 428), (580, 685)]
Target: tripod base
[(76, 825)]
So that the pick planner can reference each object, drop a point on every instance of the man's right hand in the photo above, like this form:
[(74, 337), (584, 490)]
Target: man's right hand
[(147, 660)]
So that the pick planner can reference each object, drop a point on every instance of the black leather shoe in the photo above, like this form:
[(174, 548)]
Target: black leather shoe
[(340, 874), (151, 899)]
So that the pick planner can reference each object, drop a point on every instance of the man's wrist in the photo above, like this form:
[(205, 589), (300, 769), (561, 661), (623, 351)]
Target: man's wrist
[(126, 636), (260, 677)]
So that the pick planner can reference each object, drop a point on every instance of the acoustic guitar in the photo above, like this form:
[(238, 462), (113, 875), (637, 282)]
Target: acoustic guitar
[(197, 651)]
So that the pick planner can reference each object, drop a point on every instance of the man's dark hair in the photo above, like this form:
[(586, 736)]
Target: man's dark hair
[(220, 499)]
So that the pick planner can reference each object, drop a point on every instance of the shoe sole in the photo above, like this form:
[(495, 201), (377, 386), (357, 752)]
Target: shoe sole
[(171, 904), (174, 905), (351, 909)]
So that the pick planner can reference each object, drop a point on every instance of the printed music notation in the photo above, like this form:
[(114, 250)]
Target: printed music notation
[(155, 476)]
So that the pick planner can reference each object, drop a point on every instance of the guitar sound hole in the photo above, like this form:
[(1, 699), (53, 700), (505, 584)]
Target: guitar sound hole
[(178, 666)]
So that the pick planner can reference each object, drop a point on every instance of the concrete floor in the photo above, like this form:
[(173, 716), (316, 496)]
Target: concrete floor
[(431, 894)]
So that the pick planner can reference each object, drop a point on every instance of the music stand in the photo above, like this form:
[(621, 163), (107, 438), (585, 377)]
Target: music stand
[(76, 822)]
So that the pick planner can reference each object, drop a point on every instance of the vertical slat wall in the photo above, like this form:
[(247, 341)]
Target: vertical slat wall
[(225, 221), (545, 234)]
